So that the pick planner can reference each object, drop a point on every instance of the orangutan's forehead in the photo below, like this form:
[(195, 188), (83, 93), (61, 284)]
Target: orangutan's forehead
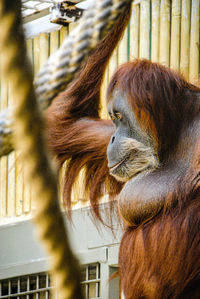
[(118, 102)]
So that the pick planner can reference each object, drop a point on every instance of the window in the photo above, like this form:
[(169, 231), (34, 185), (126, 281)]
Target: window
[(38, 286), (34, 286), (90, 277)]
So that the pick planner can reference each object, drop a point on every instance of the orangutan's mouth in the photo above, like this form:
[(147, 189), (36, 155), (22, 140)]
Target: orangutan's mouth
[(116, 165)]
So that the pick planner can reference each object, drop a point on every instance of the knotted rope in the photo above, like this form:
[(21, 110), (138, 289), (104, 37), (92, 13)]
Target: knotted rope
[(29, 139)]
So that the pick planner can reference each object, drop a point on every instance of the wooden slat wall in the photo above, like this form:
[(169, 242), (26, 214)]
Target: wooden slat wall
[(166, 31)]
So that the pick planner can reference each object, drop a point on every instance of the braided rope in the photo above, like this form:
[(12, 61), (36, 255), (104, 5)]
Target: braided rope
[(64, 64), (29, 139)]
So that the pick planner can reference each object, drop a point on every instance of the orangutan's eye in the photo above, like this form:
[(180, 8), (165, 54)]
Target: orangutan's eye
[(118, 115)]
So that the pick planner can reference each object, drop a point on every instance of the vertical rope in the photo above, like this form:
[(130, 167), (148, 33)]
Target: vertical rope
[(28, 129)]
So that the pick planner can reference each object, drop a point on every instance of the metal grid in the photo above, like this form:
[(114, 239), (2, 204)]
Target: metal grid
[(34, 286), (38, 286), (90, 277)]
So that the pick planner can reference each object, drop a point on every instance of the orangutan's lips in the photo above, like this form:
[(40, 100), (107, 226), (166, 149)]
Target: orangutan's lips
[(113, 167)]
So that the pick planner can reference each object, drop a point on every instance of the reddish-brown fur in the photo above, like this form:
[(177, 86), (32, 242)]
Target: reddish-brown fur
[(160, 257)]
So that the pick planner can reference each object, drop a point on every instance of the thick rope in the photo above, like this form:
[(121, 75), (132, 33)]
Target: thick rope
[(62, 67), (29, 139)]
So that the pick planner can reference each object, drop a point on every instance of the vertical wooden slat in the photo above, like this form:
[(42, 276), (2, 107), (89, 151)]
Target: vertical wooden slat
[(11, 204), (175, 34), (113, 64), (155, 30), (54, 41), (44, 48), (64, 32), (3, 160), (164, 48), (123, 48), (185, 38), (104, 112), (194, 43), (134, 32), (26, 196), (144, 29), (61, 185), (36, 54), (29, 48), (19, 193), (77, 190)]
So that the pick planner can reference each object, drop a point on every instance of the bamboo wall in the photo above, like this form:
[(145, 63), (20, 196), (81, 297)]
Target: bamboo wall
[(166, 31)]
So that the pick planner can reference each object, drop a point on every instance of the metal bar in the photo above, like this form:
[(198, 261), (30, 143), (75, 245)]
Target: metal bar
[(9, 287), (96, 290), (87, 285), (37, 291), (98, 277), (18, 287), (37, 287), (90, 281), (28, 286), (47, 283), (98, 271)]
